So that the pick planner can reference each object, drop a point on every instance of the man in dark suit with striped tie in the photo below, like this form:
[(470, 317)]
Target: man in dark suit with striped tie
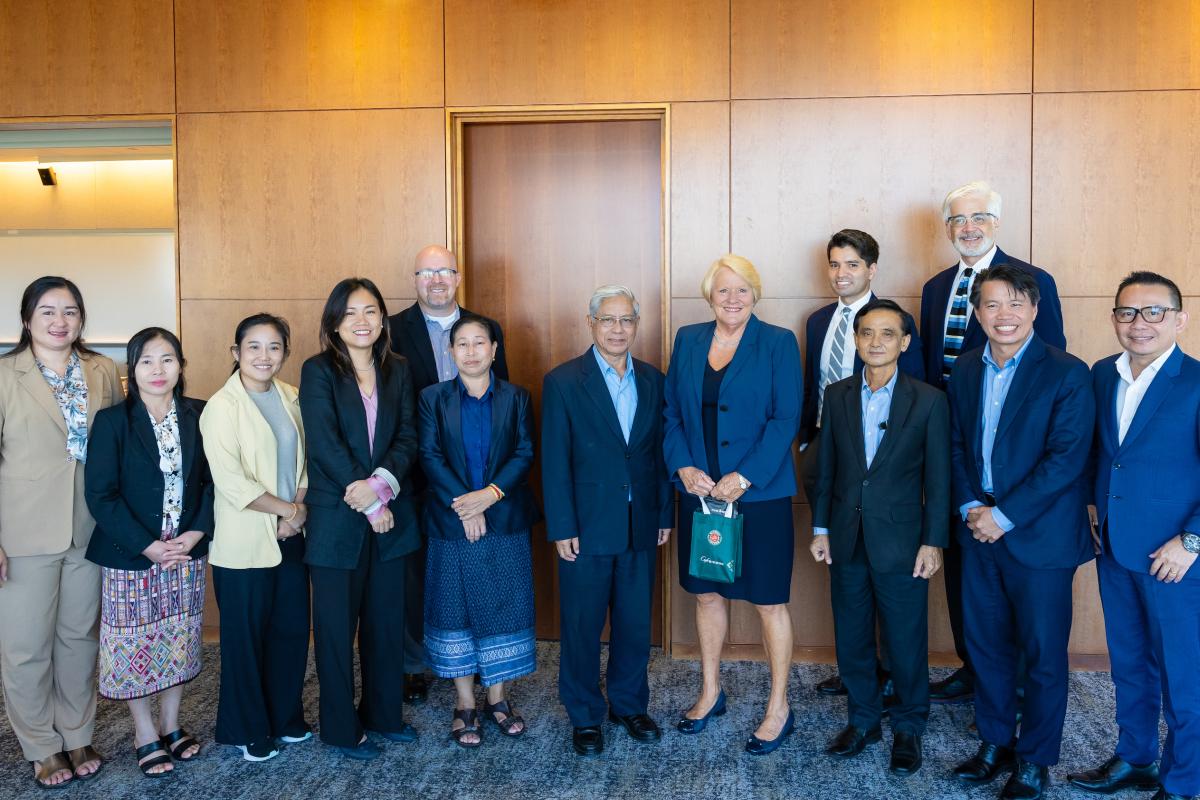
[(971, 214)]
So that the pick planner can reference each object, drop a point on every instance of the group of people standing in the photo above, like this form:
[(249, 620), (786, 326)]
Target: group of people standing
[(390, 494)]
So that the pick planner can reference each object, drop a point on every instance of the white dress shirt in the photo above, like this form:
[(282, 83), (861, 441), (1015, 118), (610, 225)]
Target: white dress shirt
[(848, 351), (979, 267), (1130, 390)]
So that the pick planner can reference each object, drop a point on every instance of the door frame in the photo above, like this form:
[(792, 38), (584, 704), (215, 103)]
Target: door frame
[(458, 117)]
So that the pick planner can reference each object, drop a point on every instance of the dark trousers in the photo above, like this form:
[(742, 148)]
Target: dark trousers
[(369, 600), (1010, 609), (1153, 632), (901, 601), (952, 574), (591, 588), (264, 651), (414, 607)]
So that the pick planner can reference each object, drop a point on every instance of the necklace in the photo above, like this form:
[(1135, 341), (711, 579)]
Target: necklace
[(726, 342), (366, 368)]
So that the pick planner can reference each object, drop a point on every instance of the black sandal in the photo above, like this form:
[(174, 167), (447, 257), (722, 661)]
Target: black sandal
[(145, 766), (470, 720), (510, 720), (177, 742)]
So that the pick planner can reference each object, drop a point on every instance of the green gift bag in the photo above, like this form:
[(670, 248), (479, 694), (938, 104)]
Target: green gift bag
[(716, 544)]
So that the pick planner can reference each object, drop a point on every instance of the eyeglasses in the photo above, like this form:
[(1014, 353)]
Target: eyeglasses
[(611, 322), (444, 272), (1127, 314), (981, 218)]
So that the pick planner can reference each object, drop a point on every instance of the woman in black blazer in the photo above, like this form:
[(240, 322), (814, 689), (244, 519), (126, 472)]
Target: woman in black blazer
[(356, 400), (476, 450), (147, 485)]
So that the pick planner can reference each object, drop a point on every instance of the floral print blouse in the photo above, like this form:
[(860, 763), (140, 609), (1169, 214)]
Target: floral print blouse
[(71, 393), (170, 461)]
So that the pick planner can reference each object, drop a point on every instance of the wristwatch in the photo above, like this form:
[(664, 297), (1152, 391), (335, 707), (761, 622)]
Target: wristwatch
[(1191, 542), (745, 484)]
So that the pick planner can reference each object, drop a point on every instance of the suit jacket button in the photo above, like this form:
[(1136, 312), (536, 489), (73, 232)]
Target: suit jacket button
[(723, 407), (724, 444), (866, 483), (1116, 466), (625, 486), (858, 509), (627, 456)]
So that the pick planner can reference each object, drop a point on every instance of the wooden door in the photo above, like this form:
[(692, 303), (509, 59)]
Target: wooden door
[(551, 210)]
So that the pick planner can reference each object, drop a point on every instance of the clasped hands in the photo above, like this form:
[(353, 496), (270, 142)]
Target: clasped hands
[(929, 558), (983, 524), (175, 551), (360, 496), (470, 508), (697, 482)]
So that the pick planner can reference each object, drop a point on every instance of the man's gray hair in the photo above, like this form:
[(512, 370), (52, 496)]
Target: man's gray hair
[(602, 293), (970, 190)]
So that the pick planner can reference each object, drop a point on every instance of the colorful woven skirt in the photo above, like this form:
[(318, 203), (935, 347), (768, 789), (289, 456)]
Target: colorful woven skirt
[(150, 628), (479, 607)]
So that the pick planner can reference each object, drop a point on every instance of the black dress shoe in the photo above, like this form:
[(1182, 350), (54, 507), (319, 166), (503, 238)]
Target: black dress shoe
[(851, 741), (906, 754), (832, 686), (1163, 794), (988, 762), (416, 688), (1028, 782), (588, 741), (639, 726), (1114, 775), (958, 688)]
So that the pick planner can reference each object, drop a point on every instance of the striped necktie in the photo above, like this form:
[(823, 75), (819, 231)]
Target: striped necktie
[(956, 323), (837, 352)]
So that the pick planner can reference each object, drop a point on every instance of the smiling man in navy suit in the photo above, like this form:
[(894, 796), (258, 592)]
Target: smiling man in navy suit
[(1147, 496), (971, 214), (609, 508), (1021, 421)]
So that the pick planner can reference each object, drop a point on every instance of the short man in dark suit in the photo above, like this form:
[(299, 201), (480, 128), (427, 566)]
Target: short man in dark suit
[(886, 455), (609, 507), (421, 333), (971, 214), (1021, 420), (830, 355), (1147, 496)]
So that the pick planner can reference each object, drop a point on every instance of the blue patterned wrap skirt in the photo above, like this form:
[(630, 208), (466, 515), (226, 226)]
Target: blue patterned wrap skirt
[(479, 607)]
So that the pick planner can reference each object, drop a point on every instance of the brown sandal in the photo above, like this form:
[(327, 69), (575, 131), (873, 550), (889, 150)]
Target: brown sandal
[(511, 720), (80, 756), (50, 765)]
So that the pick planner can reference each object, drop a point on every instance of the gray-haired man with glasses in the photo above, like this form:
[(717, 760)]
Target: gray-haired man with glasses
[(421, 333), (971, 214)]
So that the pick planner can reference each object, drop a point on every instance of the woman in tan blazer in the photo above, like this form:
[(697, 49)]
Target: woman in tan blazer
[(51, 386)]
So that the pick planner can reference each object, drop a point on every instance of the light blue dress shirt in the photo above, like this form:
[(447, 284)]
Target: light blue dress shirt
[(439, 339), (876, 407), (623, 391), (997, 381)]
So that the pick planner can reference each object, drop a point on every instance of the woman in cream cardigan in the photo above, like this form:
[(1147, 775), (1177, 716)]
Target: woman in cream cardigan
[(254, 441)]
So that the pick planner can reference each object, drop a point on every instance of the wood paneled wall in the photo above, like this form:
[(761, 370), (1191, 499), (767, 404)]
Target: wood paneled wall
[(311, 145)]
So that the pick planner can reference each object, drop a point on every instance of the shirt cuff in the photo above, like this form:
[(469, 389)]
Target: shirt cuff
[(390, 478), (820, 531), (383, 489), (1004, 522), (965, 507)]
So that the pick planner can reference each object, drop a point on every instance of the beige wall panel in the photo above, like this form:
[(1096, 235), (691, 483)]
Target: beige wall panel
[(286, 204), (803, 169), (207, 332), (286, 54), (89, 195), (60, 57), (1114, 188), (577, 51), (1084, 45), (852, 48), (699, 191)]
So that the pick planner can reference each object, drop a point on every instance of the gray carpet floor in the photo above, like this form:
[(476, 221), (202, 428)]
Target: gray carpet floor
[(541, 764)]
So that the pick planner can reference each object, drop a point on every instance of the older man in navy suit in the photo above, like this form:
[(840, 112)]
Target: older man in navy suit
[(1021, 430), (609, 506), (1147, 499), (972, 216)]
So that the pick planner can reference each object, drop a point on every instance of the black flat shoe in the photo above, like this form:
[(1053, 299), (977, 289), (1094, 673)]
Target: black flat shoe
[(588, 741), (958, 688), (852, 741), (406, 735), (416, 688), (639, 726), (1028, 782), (831, 686), (988, 762), (906, 754), (363, 751), (1114, 775), (764, 747), (688, 725)]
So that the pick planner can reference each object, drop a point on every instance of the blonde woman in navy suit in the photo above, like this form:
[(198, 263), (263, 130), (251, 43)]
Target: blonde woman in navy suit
[(733, 395)]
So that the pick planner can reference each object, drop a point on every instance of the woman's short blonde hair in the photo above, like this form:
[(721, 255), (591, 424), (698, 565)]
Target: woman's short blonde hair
[(740, 267)]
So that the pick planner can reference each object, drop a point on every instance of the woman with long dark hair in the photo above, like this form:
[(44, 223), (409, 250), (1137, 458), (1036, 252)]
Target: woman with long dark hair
[(358, 408), (51, 386), (255, 443), (148, 486)]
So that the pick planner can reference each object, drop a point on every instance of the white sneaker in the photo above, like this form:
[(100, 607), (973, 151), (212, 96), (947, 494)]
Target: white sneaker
[(296, 739), (256, 751)]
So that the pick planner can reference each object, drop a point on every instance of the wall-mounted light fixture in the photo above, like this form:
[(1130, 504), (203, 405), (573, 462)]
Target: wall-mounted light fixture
[(49, 178)]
